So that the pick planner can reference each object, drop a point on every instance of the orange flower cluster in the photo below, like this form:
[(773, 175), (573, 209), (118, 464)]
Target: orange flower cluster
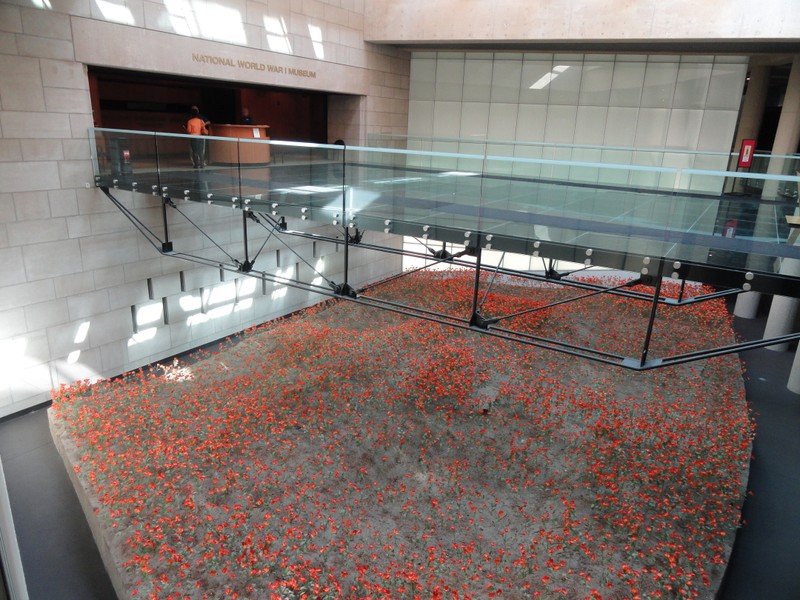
[(348, 452)]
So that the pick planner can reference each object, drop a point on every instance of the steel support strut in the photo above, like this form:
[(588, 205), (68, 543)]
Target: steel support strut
[(344, 289), (166, 245), (247, 265), (477, 319), (653, 309)]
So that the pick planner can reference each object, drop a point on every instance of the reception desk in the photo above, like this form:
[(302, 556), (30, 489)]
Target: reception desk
[(226, 152)]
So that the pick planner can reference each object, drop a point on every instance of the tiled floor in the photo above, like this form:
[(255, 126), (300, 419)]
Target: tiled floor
[(61, 561)]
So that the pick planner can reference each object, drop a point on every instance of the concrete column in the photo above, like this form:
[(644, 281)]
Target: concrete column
[(783, 311), (788, 134), (750, 117), (780, 321), (752, 113), (746, 306), (793, 385)]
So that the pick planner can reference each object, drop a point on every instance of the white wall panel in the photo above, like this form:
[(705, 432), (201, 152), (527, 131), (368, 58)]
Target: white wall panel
[(423, 78), (725, 88), (477, 80), (506, 81), (474, 120), (534, 85), (503, 121), (627, 83), (596, 83), (714, 122), (621, 126), (691, 88), (590, 125), (531, 122), (446, 119), (449, 79), (651, 128), (560, 126), (565, 85), (659, 84), (684, 128)]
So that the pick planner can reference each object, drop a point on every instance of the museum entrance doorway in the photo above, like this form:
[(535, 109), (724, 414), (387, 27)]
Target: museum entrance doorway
[(153, 102)]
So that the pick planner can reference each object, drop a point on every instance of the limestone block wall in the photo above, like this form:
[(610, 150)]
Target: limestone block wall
[(82, 294), (543, 21)]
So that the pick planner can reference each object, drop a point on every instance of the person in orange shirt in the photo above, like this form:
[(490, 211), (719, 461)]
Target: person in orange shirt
[(197, 126)]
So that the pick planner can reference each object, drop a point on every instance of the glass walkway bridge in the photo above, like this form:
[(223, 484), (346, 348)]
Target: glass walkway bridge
[(473, 205)]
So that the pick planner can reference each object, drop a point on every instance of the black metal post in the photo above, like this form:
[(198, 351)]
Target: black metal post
[(247, 265), (166, 245), (653, 309), (476, 318), (345, 222)]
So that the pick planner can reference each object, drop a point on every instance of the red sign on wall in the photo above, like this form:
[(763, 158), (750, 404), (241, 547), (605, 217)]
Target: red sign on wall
[(746, 153)]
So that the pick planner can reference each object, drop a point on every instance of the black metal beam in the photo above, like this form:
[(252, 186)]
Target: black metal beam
[(474, 247)]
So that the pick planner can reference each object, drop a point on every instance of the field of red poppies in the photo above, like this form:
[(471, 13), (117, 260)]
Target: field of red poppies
[(348, 452)]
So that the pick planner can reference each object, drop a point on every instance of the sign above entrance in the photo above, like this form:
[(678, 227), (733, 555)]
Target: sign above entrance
[(251, 65), (110, 45)]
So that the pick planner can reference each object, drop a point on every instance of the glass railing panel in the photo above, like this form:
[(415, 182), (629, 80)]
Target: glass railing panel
[(503, 194), (435, 196), (307, 177), (581, 172), (754, 231), (205, 166), (558, 165), (120, 154), (703, 184), (528, 166), (646, 178), (250, 177), (617, 177)]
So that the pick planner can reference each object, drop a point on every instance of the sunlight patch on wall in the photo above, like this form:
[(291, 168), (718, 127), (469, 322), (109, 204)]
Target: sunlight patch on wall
[(209, 20), (182, 17), (197, 319), (319, 267), (316, 41), (116, 12), (283, 275), (82, 333), (142, 336), (247, 286), (220, 23), (72, 370), (149, 313), (223, 293), (220, 311), (243, 304), (190, 303), (277, 35)]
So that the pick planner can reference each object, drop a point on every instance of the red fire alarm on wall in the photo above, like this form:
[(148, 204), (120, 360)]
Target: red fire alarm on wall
[(746, 153)]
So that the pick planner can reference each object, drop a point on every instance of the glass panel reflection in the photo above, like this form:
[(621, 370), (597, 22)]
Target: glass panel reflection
[(471, 192)]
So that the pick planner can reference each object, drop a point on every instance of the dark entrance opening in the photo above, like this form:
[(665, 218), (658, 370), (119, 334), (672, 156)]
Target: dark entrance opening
[(152, 102)]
